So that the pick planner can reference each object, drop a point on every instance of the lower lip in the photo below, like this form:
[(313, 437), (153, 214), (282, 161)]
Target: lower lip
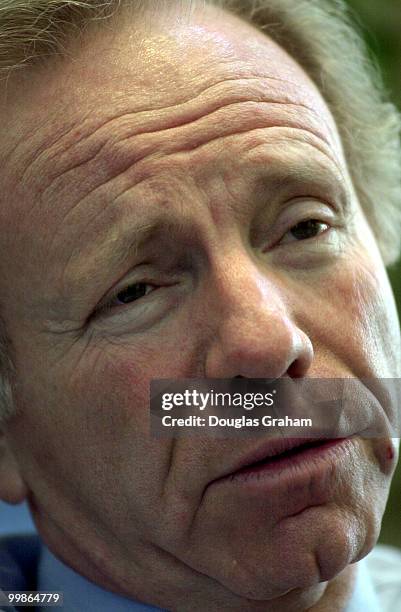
[(307, 458)]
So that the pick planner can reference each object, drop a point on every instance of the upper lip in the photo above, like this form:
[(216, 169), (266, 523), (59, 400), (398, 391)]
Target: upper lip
[(272, 448)]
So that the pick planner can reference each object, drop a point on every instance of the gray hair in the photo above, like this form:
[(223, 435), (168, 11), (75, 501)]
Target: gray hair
[(319, 34)]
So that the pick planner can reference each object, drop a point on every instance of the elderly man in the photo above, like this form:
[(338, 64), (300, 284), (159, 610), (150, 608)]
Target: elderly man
[(190, 191)]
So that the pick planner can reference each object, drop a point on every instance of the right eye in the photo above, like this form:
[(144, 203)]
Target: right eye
[(129, 294)]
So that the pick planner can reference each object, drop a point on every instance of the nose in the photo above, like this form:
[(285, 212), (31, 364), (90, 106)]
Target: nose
[(255, 334)]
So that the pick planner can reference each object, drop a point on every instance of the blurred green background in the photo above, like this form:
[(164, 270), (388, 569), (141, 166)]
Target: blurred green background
[(380, 22)]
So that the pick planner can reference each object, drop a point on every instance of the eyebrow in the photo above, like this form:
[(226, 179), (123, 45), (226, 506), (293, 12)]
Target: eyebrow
[(116, 248)]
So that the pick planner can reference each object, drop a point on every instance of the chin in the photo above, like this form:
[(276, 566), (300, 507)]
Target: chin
[(312, 547)]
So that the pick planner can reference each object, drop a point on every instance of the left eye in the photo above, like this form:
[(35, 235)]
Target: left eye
[(306, 229)]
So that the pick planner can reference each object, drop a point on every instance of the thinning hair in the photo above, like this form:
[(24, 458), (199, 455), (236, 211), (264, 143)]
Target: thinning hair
[(319, 35)]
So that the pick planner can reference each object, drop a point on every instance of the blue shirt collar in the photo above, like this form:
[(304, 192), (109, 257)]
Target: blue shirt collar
[(81, 594)]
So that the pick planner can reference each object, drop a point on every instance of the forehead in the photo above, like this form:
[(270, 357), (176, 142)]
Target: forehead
[(137, 67)]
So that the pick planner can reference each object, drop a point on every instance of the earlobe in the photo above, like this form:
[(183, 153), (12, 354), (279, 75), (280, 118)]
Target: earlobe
[(12, 487)]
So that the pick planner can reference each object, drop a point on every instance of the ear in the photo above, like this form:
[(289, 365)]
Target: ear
[(12, 487)]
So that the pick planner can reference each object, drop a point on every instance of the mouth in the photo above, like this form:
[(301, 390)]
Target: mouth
[(280, 454), (288, 475)]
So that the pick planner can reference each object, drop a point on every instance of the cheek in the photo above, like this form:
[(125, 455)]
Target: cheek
[(123, 391), (90, 413), (90, 446), (114, 401), (66, 430), (358, 323), (115, 378), (375, 321), (119, 385)]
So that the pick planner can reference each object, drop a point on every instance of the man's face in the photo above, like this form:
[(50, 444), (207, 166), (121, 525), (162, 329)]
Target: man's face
[(150, 195)]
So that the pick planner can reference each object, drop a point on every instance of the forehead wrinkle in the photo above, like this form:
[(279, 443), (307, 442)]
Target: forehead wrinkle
[(213, 97), (36, 143), (120, 156), (75, 133), (289, 137), (251, 140)]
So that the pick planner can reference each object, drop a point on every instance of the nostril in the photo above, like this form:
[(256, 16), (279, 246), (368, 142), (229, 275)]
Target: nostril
[(296, 370)]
